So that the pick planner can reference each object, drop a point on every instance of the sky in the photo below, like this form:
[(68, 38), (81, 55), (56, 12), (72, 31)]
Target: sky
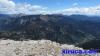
[(67, 7)]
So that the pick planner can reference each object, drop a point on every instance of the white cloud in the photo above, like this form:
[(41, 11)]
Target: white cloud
[(80, 10), (29, 9), (8, 6), (75, 4)]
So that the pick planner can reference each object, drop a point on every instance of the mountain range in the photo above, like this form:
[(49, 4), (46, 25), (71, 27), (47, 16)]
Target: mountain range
[(79, 30)]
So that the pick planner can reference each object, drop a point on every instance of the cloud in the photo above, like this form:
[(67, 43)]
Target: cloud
[(80, 10), (10, 7), (6, 5), (75, 4), (29, 9)]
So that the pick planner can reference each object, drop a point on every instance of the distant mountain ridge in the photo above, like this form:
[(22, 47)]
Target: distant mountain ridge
[(85, 17)]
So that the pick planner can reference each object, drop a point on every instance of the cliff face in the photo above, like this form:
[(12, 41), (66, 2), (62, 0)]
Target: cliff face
[(36, 48)]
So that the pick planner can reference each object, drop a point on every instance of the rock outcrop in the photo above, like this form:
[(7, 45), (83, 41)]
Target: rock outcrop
[(35, 48)]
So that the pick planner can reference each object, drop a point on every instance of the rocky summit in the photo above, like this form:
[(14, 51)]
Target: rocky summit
[(36, 48)]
